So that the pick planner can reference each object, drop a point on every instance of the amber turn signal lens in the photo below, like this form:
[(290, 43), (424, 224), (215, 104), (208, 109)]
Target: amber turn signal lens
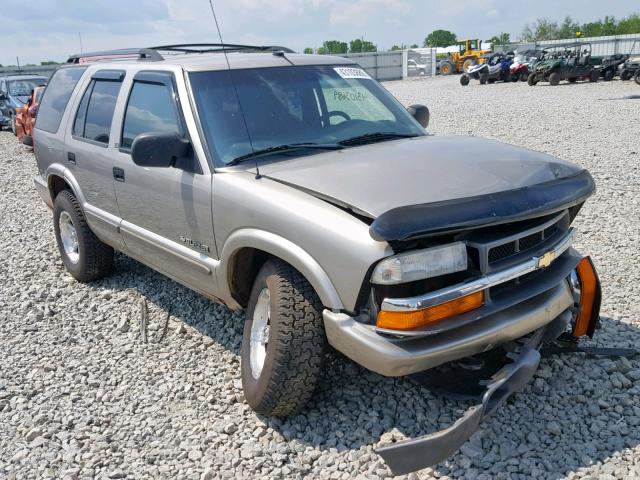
[(589, 299), (427, 316)]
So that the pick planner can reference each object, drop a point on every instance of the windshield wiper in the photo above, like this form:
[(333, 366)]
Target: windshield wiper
[(375, 137), (287, 147)]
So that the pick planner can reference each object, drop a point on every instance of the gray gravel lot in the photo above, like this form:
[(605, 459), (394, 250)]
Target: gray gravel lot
[(81, 397)]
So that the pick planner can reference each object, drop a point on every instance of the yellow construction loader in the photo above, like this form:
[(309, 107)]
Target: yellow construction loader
[(469, 53)]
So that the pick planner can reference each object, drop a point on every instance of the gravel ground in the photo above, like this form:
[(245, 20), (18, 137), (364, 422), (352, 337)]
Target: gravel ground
[(82, 397)]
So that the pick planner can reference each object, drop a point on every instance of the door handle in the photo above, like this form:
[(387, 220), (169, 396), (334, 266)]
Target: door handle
[(71, 157), (118, 174)]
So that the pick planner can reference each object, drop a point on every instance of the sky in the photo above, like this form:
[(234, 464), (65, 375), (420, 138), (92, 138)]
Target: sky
[(39, 30)]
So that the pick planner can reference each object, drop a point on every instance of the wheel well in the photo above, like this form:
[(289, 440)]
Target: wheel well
[(244, 268), (56, 185)]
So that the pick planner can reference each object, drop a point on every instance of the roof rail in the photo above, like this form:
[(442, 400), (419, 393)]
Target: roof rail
[(152, 54)]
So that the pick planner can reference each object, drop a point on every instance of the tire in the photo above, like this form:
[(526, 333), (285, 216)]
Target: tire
[(491, 80), (467, 64), (90, 259), (524, 76), (608, 75), (484, 78), (294, 351), (636, 78), (573, 79), (464, 80), (594, 75), (554, 79), (532, 80), (446, 68), (625, 75)]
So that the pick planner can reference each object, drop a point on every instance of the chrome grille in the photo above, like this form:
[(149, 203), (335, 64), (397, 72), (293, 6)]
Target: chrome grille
[(496, 253)]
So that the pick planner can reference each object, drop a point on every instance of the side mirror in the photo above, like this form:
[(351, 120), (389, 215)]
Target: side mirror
[(420, 113), (159, 149)]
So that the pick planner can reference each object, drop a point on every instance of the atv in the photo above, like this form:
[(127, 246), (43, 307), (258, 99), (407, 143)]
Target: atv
[(496, 67), (564, 62), (521, 63), (631, 66), (610, 65)]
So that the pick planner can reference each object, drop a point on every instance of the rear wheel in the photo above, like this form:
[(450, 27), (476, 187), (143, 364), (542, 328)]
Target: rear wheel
[(532, 79), (608, 75), (524, 76), (446, 68), (464, 80), (594, 75), (637, 77), (284, 341), (554, 78), (84, 256), (625, 75)]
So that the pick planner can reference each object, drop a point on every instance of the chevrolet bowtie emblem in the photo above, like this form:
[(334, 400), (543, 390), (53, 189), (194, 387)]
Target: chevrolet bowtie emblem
[(545, 260)]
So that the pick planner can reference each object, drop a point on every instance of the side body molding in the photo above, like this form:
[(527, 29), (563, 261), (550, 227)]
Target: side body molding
[(281, 248)]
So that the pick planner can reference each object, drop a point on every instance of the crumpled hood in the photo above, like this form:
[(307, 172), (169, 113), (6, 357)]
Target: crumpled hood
[(376, 178)]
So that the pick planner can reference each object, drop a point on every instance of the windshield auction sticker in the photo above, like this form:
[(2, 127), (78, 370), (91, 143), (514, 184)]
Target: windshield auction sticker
[(351, 72)]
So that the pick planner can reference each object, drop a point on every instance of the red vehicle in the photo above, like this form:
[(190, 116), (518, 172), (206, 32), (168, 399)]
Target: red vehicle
[(26, 116)]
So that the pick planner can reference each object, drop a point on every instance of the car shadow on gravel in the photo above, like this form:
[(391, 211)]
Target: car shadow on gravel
[(578, 410)]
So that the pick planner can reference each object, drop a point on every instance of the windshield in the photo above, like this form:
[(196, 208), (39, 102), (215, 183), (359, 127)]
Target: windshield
[(310, 105), (22, 88)]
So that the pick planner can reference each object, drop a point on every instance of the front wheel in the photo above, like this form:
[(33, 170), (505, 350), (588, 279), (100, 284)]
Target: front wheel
[(625, 75), (464, 80), (284, 342), (532, 79), (524, 76), (594, 75), (84, 256), (608, 75)]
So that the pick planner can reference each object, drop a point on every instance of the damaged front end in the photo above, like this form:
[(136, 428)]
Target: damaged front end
[(521, 361), (521, 285)]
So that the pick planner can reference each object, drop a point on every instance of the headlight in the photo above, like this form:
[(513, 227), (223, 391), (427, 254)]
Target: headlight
[(421, 264)]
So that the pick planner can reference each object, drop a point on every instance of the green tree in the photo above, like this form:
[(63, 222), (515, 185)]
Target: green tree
[(396, 47), (333, 47), (542, 29), (502, 39), (631, 24), (360, 45), (414, 45), (49, 62), (440, 38), (308, 50), (568, 28)]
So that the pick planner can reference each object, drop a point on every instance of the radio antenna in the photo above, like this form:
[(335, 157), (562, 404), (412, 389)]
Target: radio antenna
[(224, 51)]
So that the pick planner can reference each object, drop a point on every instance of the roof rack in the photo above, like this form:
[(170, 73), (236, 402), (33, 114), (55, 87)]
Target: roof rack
[(152, 53)]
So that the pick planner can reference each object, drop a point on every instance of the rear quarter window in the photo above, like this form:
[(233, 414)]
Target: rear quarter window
[(56, 97)]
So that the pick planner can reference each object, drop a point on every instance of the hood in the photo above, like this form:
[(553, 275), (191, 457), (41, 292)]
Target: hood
[(376, 178)]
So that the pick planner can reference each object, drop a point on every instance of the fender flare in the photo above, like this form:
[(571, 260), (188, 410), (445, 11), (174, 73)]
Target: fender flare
[(284, 249), (64, 173)]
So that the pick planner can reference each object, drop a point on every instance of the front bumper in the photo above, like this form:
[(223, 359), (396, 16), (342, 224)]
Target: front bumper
[(524, 309), (414, 454), (397, 357)]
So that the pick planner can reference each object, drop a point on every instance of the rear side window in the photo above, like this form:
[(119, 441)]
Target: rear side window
[(56, 97), (95, 113), (151, 108)]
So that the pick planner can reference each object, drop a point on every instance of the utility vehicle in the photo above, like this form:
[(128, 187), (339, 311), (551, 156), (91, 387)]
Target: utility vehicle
[(297, 188), (570, 62)]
